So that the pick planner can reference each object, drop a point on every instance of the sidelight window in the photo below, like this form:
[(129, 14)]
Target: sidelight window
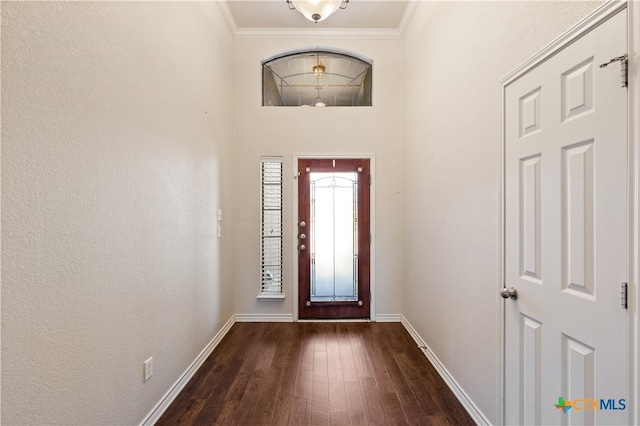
[(271, 226)]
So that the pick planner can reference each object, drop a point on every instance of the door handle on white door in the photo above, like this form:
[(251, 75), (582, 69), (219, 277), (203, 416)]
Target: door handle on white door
[(510, 292)]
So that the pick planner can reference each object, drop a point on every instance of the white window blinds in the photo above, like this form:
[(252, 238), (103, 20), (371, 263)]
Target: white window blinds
[(271, 225)]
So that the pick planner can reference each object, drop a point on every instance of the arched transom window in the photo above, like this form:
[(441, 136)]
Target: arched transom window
[(316, 77)]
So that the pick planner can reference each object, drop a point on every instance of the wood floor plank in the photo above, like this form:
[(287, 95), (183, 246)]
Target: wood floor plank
[(284, 414), (287, 360), (316, 374), (372, 402), (320, 387), (302, 406), (347, 361), (415, 409), (393, 410), (355, 404), (412, 407), (339, 419), (337, 395), (376, 347), (306, 357), (358, 348)]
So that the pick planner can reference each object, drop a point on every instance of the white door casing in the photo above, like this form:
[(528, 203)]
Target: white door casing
[(566, 229)]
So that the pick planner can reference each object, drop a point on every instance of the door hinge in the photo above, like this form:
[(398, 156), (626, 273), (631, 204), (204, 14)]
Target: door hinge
[(623, 295), (624, 77)]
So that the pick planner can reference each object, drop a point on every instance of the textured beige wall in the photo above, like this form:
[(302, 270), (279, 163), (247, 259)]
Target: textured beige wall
[(286, 131), (116, 153), (118, 148), (454, 55)]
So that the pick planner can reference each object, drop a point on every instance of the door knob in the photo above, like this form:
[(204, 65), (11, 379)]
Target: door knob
[(510, 292), (302, 247), (303, 236)]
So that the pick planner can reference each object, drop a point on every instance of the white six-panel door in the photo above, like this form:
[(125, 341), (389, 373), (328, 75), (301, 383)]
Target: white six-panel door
[(566, 195)]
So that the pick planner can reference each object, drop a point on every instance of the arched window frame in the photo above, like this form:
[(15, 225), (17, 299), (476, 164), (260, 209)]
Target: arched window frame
[(317, 76)]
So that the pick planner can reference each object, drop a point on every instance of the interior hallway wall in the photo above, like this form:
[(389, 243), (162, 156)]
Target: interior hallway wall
[(454, 54), (285, 131), (116, 153)]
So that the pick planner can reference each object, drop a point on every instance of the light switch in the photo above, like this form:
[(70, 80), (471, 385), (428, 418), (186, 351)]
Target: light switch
[(219, 231), (220, 215)]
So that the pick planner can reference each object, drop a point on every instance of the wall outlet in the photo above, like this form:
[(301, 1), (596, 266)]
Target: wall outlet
[(148, 369)]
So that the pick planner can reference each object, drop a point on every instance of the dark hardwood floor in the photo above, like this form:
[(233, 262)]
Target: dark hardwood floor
[(316, 373)]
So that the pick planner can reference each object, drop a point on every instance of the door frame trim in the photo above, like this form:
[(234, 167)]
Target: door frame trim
[(372, 226), (590, 22)]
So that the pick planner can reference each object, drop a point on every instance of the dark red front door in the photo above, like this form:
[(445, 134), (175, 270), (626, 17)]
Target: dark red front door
[(334, 238)]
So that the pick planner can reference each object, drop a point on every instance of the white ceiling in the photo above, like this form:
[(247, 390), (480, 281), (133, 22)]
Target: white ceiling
[(361, 17)]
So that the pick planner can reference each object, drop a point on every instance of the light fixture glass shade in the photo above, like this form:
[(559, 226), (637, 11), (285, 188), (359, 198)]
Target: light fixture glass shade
[(316, 10)]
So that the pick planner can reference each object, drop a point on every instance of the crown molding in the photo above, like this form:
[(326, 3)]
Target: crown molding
[(228, 17), (304, 33), (406, 18)]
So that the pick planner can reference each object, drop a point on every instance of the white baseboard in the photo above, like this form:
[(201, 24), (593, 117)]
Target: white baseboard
[(388, 318), (173, 392), (471, 408), (263, 318)]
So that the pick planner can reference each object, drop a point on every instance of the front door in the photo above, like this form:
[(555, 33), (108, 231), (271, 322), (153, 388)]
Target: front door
[(566, 231), (333, 238)]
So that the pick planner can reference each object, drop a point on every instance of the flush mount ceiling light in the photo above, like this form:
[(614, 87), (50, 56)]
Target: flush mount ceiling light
[(317, 10)]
